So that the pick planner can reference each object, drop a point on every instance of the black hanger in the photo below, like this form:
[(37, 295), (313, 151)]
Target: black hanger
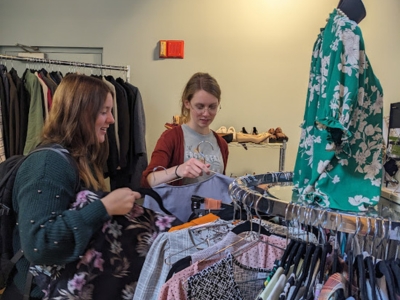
[(300, 254), (153, 194), (369, 262), (362, 280), (44, 71), (315, 257), (286, 253), (339, 295), (250, 226), (56, 76), (395, 268), (304, 270), (181, 264), (325, 250), (292, 254), (383, 269), (335, 255), (350, 262)]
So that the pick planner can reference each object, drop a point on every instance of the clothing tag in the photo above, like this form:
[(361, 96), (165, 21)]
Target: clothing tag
[(262, 275)]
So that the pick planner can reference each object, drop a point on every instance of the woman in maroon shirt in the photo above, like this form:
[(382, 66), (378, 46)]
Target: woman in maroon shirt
[(175, 154)]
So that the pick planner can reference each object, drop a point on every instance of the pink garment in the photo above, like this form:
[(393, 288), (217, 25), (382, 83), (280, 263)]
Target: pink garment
[(49, 94), (260, 255)]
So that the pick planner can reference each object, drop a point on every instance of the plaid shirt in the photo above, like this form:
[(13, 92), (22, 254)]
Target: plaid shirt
[(168, 248)]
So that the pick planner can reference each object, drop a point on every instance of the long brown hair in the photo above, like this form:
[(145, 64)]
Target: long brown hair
[(198, 81), (71, 122)]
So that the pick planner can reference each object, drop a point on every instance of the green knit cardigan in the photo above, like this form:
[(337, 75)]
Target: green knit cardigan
[(48, 232)]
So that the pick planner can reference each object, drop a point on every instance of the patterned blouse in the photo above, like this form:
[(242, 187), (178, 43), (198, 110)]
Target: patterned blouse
[(227, 279), (339, 163)]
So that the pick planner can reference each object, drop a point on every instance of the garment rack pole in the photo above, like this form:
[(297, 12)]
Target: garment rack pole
[(70, 63), (244, 190)]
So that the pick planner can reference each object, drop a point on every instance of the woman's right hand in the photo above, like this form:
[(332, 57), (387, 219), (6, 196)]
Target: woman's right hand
[(120, 201), (193, 168)]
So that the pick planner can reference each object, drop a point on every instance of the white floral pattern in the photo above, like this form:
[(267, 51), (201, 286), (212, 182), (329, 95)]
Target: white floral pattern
[(339, 159), (110, 267)]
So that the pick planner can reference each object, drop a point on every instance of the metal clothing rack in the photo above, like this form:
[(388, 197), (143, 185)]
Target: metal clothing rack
[(126, 69), (247, 190)]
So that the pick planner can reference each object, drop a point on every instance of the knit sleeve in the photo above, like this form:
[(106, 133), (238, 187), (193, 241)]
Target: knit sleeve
[(165, 153), (50, 232)]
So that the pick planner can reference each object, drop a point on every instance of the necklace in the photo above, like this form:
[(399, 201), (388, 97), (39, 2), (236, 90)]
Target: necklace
[(340, 12)]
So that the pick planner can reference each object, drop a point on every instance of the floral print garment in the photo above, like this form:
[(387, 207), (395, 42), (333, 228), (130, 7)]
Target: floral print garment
[(339, 159), (111, 266)]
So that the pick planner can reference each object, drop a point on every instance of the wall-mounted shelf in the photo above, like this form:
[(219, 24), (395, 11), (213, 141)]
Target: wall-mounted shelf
[(280, 146), (253, 145)]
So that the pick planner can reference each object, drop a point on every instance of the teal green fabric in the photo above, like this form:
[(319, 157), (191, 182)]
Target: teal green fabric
[(344, 96), (48, 231)]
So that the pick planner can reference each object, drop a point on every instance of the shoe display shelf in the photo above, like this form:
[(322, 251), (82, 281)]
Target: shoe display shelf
[(280, 146)]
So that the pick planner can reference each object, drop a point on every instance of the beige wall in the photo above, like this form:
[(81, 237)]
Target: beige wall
[(259, 51)]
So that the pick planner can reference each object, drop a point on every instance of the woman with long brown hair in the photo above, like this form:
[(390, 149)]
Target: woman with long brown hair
[(47, 230)]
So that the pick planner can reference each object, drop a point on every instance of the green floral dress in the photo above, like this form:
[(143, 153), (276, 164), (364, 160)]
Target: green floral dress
[(339, 159)]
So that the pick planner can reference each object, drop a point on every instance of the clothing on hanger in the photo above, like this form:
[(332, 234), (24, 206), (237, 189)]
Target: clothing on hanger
[(175, 246), (261, 253), (245, 283), (5, 100), (232, 242), (273, 284), (177, 198), (26, 102)]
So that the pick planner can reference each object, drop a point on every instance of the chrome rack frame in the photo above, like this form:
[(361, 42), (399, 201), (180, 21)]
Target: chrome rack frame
[(246, 189), (70, 63)]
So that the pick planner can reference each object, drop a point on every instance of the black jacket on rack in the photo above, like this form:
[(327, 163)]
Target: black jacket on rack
[(127, 151), (123, 123), (22, 110), (136, 155)]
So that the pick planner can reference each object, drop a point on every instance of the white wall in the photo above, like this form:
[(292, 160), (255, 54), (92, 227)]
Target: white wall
[(258, 50)]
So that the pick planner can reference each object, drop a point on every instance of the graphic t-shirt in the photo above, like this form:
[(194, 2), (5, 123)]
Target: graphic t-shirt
[(204, 148)]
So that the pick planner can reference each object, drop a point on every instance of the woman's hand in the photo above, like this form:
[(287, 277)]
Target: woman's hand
[(120, 201), (193, 168)]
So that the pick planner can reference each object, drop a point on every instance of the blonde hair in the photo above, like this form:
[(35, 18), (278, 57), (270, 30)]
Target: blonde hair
[(71, 122), (198, 81)]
